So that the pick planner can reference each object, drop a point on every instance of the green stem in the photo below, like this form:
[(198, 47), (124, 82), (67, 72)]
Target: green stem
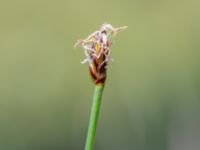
[(94, 115)]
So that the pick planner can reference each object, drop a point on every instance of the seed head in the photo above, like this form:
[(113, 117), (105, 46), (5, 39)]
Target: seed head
[(97, 51)]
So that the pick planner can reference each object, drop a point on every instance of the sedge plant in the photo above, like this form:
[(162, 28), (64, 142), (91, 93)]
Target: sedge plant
[(97, 51)]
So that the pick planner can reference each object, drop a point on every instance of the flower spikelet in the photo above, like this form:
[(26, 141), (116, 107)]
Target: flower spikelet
[(97, 51)]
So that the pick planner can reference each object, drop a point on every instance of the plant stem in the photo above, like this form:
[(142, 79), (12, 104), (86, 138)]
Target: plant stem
[(94, 115)]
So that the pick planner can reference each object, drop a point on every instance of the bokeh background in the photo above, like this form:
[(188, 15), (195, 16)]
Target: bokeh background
[(152, 96)]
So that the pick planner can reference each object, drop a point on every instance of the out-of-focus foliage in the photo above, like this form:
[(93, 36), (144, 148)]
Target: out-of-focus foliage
[(151, 100)]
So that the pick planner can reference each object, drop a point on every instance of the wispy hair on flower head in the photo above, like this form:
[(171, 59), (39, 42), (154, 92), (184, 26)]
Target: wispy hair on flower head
[(97, 50)]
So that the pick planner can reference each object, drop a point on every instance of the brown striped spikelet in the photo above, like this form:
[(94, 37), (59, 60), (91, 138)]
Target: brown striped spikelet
[(97, 51)]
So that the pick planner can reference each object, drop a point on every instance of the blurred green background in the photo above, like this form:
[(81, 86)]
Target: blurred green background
[(152, 96)]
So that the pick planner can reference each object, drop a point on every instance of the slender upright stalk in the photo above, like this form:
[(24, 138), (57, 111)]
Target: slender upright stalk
[(94, 115)]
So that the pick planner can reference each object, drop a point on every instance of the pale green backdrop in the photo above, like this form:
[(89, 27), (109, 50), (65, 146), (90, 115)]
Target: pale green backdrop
[(152, 96)]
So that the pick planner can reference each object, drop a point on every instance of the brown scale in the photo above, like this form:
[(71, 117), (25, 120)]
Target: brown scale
[(98, 70)]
